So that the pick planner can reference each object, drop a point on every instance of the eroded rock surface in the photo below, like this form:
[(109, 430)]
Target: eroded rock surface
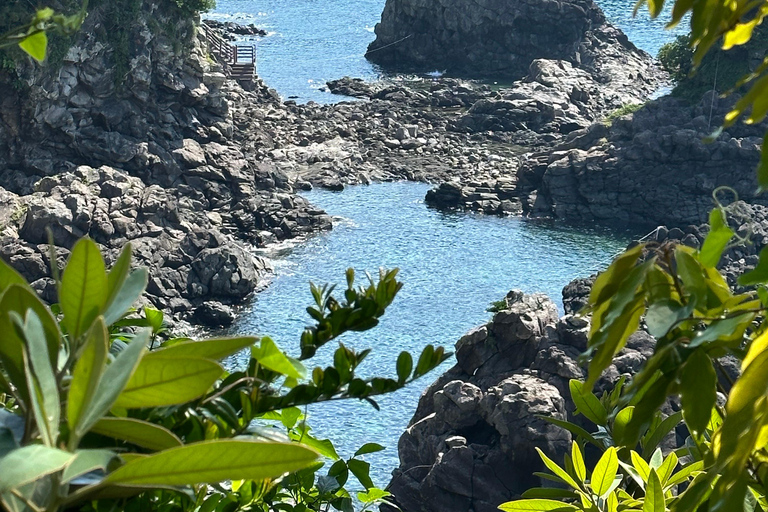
[(471, 443)]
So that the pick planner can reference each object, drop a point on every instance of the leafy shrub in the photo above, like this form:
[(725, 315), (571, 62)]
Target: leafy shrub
[(92, 418)]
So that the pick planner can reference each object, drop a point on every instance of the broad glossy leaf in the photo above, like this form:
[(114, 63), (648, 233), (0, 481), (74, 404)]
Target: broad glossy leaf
[(372, 495), (138, 432), (663, 315), (87, 375), (35, 45), (18, 299), (685, 473), (84, 287), (115, 378), (549, 492), (654, 494), (572, 428), (41, 380), (216, 348), (587, 403), (536, 505), (620, 423), (605, 472), (717, 239), (160, 381), (322, 446), (698, 390), (118, 273), (213, 462), (131, 289), (727, 329), (269, 355), (29, 463), (86, 461)]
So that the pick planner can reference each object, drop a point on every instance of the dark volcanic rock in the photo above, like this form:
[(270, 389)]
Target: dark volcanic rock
[(471, 443), (497, 38), (651, 167)]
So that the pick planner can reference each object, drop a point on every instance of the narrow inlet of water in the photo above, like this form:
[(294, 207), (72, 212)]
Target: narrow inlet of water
[(453, 265)]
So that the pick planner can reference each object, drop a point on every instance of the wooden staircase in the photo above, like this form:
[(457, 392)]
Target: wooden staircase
[(239, 61)]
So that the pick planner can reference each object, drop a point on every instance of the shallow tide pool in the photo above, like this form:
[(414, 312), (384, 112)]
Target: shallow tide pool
[(453, 265)]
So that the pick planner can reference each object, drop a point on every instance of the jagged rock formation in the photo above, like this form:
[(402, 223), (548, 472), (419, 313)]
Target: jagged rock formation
[(497, 38), (149, 158), (651, 167), (470, 444), (648, 168)]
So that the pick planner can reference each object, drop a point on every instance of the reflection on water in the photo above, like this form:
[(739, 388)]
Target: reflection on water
[(453, 266)]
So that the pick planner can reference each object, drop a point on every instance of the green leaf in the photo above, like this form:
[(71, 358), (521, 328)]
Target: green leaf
[(86, 376), (361, 470), (698, 390), (605, 472), (30, 463), (138, 432), (84, 287), (404, 366), (41, 380), (118, 273), (216, 348), (725, 329), (322, 446), (19, 299), (372, 495), (86, 461), (368, 448), (155, 318), (269, 355), (35, 45), (717, 239), (667, 468), (9, 276), (608, 282), (579, 468), (640, 465), (661, 431), (557, 470), (213, 462), (536, 505), (684, 474), (758, 275), (124, 297), (115, 378), (663, 315), (654, 494), (160, 381), (620, 424), (587, 403), (762, 170)]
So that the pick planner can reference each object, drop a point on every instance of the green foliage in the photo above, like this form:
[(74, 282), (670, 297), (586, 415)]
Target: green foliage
[(30, 31), (629, 108), (93, 419)]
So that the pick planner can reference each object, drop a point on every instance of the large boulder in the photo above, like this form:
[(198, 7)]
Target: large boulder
[(471, 444), (498, 38)]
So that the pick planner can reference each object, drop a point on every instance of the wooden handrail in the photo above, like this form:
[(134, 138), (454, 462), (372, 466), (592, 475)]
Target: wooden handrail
[(239, 61)]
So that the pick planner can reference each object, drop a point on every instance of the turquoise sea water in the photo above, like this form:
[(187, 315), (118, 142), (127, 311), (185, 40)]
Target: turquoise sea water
[(453, 266), (312, 41)]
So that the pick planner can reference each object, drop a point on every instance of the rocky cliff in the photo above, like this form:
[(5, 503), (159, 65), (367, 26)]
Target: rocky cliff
[(150, 157), (500, 38)]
